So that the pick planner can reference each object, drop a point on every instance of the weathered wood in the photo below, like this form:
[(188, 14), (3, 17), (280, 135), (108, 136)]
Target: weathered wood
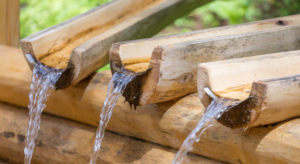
[(166, 123), (81, 44), (64, 141), (174, 65), (9, 22), (236, 79)]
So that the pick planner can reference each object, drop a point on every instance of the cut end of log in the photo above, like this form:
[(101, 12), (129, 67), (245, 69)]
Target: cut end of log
[(239, 115), (133, 90)]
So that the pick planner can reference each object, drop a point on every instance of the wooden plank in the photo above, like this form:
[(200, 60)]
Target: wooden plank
[(166, 123), (81, 44), (235, 79), (173, 71), (64, 141)]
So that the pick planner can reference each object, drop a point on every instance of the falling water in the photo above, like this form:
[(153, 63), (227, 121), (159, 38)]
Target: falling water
[(43, 80), (214, 111), (115, 89)]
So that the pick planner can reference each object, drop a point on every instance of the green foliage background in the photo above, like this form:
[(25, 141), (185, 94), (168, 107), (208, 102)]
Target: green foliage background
[(40, 14)]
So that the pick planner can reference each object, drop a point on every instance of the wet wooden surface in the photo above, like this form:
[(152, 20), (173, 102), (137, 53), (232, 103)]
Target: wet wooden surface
[(244, 79)]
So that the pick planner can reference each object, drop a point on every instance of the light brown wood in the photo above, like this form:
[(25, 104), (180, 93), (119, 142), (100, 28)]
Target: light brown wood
[(81, 44), (64, 141), (237, 79), (173, 71), (9, 22), (166, 123), (3, 17)]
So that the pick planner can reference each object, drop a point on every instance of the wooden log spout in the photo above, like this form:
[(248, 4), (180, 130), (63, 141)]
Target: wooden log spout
[(167, 66), (167, 123), (265, 87), (81, 44)]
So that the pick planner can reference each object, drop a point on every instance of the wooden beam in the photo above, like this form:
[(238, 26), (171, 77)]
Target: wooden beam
[(173, 67), (237, 79), (81, 44), (166, 123), (10, 24), (65, 141)]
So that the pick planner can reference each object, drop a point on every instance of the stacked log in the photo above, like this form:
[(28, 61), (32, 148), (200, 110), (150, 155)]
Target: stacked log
[(63, 141)]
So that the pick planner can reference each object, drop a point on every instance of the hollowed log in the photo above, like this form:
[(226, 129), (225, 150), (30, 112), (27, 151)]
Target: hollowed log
[(263, 101), (167, 123), (81, 44), (173, 60)]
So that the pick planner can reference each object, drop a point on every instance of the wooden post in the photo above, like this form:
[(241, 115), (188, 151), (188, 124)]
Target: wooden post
[(9, 22)]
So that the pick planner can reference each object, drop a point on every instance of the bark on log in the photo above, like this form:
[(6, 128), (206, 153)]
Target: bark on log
[(67, 142), (237, 79), (166, 123), (81, 44), (173, 66)]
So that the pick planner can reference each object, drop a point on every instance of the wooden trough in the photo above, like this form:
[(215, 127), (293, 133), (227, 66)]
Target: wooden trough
[(264, 100), (168, 65), (80, 45), (165, 123)]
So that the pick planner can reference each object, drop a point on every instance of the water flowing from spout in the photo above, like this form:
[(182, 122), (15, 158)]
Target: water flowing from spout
[(115, 89), (213, 112), (43, 81)]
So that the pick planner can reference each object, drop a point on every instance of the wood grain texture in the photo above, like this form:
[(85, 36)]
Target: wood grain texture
[(166, 123), (174, 65), (81, 44), (9, 22), (237, 79), (3, 18), (65, 141)]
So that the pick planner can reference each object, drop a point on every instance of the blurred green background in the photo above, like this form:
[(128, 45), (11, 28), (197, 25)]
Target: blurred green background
[(37, 15)]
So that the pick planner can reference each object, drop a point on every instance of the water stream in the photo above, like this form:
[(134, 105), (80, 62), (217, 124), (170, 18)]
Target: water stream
[(213, 112), (114, 91), (43, 80)]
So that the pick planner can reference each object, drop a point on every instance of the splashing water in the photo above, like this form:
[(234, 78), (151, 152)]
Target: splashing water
[(213, 111), (115, 89), (43, 80)]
